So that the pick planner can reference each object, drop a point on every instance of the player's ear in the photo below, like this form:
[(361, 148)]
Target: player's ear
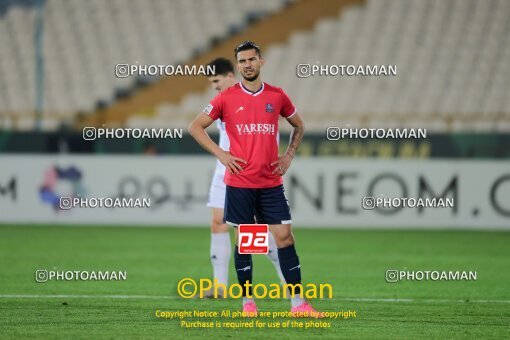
[(262, 61)]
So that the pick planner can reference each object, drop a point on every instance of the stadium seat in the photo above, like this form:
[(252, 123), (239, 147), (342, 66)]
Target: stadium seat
[(454, 63), (451, 62), (84, 40)]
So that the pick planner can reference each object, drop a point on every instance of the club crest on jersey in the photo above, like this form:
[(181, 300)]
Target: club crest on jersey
[(269, 108)]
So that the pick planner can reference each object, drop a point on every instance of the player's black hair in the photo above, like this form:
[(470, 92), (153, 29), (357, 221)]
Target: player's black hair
[(247, 45), (221, 66)]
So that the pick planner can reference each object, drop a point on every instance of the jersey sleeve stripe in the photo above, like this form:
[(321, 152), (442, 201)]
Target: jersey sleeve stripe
[(293, 113)]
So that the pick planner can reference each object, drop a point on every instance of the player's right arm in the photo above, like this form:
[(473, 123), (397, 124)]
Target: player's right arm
[(197, 130)]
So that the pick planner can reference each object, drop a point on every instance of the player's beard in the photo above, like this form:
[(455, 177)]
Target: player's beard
[(252, 78)]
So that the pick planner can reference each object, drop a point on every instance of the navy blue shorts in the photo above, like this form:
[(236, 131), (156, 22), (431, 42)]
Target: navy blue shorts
[(268, 205)]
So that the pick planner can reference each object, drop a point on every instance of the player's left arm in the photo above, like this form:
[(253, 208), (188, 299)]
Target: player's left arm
[(296, 136)]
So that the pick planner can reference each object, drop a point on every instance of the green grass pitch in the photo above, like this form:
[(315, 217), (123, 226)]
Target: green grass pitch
[(155, 259)]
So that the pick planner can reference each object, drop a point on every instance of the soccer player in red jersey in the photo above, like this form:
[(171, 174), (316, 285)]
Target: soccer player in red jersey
[(223, 78), (254, 183)]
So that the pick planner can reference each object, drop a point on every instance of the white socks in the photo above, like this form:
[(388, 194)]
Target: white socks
[(220, 256), (296, 301), (273, 256), (246, 300)]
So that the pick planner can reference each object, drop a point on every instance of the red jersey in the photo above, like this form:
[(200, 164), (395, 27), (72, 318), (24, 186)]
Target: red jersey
[(251, 121)]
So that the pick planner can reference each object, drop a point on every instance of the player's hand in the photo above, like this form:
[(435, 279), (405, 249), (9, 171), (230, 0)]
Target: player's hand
[(282, 164), (231, 162)]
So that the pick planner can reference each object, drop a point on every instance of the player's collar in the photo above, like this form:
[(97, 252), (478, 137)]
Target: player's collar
[(256, 93)]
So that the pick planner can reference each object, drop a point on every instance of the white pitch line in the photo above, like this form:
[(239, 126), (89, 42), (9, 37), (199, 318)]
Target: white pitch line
[(40, 296), (418, 300), (162, 297)]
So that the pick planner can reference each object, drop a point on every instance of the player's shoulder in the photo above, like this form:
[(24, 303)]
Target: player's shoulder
[(275, 90), (272, 88), (227, 92), (232, 90)]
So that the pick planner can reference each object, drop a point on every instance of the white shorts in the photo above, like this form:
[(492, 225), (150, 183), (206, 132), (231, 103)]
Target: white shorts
[(217, 192)]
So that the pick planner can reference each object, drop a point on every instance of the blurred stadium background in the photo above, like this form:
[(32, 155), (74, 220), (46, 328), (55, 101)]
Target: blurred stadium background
[(57, 75), (58, 58), (453, 79)]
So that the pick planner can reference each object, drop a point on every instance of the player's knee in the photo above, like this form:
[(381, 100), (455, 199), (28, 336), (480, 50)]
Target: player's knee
[(217, 226), (284, 240)]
